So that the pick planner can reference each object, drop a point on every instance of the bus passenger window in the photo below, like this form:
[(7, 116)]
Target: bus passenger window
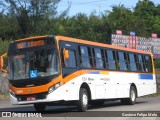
[(122, 62), (71, 61), (136, 61), (140, 62), (126, 59), (98, 60), (132, 62), (111, 59), (148, 65), (85, 57)]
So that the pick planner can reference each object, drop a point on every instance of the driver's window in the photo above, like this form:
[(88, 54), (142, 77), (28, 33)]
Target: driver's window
[(71, 61)]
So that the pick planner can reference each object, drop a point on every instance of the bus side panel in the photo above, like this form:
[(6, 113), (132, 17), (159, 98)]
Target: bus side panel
[(117, 85), (147, 86)]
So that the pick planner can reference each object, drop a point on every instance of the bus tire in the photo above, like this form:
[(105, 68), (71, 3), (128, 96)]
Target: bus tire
[(40, 107), (83, 100), (132, 97)]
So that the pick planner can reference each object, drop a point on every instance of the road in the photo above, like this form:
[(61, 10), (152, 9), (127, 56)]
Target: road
[(111, 110)]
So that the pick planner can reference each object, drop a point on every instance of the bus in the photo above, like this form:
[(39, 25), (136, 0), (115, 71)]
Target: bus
[(49, 70)]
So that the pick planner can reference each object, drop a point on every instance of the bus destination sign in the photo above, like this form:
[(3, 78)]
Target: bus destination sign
[(30, 44)]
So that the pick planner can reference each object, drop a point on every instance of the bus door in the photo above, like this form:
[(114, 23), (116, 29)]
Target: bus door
[(69, 55)]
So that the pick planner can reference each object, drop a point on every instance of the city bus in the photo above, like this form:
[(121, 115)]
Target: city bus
[(49, 70)]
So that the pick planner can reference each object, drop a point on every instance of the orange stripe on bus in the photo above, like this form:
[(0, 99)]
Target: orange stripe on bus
[(31, 38), (44, 88)]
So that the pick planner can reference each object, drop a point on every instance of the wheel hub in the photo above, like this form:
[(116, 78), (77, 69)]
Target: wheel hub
[(133, 95), (85, 99)]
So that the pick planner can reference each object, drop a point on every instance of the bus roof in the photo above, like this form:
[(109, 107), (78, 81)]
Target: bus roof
[(100, 44), (87, 43), (30, 38)]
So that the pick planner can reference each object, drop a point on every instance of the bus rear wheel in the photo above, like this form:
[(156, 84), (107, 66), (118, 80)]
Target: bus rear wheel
[(83, 100), (40, 107), (132, 98)]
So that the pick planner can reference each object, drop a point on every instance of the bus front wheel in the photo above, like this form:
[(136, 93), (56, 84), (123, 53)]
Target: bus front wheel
[(83, 100), (132, 98)]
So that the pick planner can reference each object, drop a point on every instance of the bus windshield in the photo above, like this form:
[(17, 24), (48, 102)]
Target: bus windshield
[(33, 64)]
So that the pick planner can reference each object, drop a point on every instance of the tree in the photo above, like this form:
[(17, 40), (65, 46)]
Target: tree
[(119, 18), (32, 15), (145, 11), (8, 27)]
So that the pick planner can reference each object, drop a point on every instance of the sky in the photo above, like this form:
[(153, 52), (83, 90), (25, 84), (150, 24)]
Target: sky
[(98, 6)]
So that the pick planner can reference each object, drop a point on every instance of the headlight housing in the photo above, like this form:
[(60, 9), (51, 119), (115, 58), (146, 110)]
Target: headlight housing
[(11, 92), (54, 87)]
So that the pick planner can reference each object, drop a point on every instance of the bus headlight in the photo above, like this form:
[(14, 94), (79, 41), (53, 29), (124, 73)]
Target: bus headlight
[(11, 92), (54, 87)]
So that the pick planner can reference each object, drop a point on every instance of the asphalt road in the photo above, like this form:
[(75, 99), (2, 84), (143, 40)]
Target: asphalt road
[(144, 109)]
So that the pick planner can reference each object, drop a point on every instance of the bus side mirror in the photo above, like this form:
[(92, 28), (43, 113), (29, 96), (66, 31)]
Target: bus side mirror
[(66, 54), (2, 63)]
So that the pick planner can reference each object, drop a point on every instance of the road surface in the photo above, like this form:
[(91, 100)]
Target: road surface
[(145, 109)]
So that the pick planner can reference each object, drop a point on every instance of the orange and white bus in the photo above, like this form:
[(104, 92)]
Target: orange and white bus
[(45, 70)]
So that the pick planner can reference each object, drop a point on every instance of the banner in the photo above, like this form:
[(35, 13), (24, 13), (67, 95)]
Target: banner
[(140, 43)]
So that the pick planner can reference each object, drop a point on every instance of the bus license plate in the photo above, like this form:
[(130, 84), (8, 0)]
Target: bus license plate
[(31, 98)]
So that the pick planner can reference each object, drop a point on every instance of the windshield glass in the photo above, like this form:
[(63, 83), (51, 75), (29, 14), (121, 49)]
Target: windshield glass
[(33, 64)]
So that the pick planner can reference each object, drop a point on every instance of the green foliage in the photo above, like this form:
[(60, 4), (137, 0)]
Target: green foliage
[(3, 46), (23, 18), (157, 64), (39, 17)]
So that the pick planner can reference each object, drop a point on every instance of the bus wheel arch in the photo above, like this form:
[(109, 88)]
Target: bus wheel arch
[(132, 96), (84, 97), (86, 86), (133, 85)]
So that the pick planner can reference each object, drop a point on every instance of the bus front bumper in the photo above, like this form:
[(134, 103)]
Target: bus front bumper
[(31, 99)]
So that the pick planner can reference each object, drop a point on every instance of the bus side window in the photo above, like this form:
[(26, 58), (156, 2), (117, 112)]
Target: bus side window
[(71, 61), (136, 61), (144, 64), (117, 61), (148, 63), (122, 61), (106, 60), (98, 59), (111, 59), (140, 62), (126, 59), (85, 57), (132, 62), (103, 59)]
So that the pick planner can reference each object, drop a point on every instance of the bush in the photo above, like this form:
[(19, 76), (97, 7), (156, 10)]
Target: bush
[(3, 46), (157, 64)]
